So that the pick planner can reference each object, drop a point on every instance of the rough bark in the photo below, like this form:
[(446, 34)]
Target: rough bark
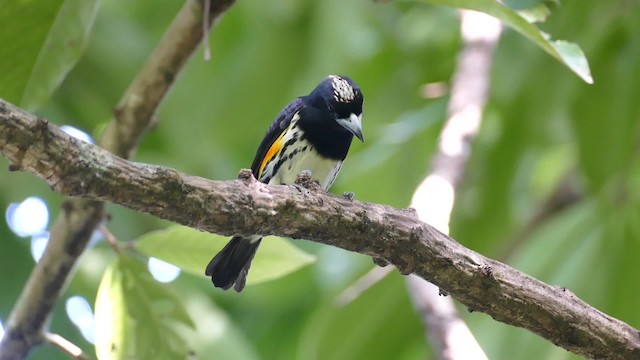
[(245, 206)]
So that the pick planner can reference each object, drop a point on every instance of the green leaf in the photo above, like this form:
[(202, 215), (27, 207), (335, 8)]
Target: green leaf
[(522, 4), (137, 317), (191, 250), (538, 13), (355, 330), (41, 42), (112, 341), (567, 53)]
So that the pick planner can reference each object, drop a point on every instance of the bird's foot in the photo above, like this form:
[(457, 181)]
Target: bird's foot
[(349, 195), (246, 175), (380, 261), (305, 180)]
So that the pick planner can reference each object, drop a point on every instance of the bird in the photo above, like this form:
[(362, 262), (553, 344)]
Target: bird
[(311, 134)]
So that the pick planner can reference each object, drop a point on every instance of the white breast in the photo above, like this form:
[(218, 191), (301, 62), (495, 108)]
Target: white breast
[(323, 170), (302, 157)]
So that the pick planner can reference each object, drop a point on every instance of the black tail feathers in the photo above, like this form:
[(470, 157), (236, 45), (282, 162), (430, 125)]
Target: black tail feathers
[(231, 265)]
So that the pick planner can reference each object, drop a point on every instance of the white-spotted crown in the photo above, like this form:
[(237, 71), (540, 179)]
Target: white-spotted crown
[(342, 91)]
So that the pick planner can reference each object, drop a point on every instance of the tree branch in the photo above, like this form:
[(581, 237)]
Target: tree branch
[(246, 206), (434, 198), (72, 230)]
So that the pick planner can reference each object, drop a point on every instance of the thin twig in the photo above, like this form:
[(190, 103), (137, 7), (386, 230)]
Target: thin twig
[(205, 29), (66, 346), (111, 239), (361, 285), (566, 194)]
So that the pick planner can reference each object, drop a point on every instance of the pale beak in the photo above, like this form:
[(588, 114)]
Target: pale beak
[(353, 124)]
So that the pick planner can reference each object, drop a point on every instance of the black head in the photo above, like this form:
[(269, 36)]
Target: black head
[(342, 99)]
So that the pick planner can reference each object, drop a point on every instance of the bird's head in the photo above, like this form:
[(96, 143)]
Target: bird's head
[(343, 99)]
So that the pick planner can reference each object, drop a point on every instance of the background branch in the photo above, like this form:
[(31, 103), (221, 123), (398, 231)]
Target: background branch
[(434, 198), (246, 206), (73, 228), (563, 196)]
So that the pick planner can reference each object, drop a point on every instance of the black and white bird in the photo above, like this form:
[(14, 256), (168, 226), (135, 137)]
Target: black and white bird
[(312, 133)]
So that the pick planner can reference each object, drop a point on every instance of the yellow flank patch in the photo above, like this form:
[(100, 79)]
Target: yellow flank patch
[(275, 148)]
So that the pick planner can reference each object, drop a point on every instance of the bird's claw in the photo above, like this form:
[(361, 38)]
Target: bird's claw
[(349, 195), (380, 261), (305, 180)]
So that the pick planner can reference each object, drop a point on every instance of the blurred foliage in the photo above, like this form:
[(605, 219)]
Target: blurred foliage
[(135, 315), (542, 125), (566, 52), (50, 43), (188, 249)]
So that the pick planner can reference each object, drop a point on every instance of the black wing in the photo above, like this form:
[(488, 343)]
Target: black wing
[(278, 125)]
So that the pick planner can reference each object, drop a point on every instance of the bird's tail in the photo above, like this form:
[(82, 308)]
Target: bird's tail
[(231, 265)]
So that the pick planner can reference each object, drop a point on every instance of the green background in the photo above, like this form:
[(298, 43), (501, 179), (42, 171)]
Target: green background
[(542, 124)]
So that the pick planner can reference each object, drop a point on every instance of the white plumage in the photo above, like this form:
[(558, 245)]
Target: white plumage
[(304, 158)]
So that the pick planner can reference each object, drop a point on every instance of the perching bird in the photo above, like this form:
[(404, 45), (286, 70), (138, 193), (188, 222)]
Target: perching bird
[(312, 133)]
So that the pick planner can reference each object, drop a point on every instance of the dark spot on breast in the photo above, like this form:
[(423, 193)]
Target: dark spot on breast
[(279, 164)]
